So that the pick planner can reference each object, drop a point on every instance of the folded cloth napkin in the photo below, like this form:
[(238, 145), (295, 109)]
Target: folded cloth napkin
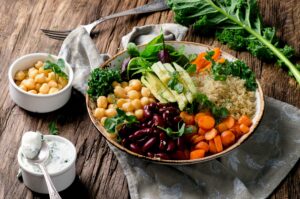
[(251, 171)]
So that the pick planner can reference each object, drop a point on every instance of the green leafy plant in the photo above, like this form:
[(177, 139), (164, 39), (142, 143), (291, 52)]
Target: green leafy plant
[(112, 124), (53, 128), (174, 82), (182, 129), (237, 23), (100, 81), (56, 67)]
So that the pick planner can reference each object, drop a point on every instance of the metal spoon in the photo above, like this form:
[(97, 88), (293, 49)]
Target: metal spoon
[(40, 159)]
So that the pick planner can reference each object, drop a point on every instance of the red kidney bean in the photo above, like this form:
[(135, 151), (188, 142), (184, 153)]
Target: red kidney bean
[(149, 144), (177, 119), (124, 142), (140, 133), (147, 113), (171, 146), (162, 156), (162, 145), (162, 136), (157, 120), (135, 148), (180, 143), (153, 107), (179, 155), (149, 154)]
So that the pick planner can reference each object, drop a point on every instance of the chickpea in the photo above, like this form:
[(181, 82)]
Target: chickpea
[(145, 101), (102, 102), (32, 72), (145, 92), (18, 83), (99, 113), (40, 78), (32, 91), (111, 98), (62, 81), (28, 83), (135, 84), (112, 106), (129, 113), (38, 86), (42, 70), (52, 84), (111, 112), (115, 84), (127, 107), (139, 113), (151, 100), (120, 102), (134, 94), (103, 120), (120, 92), (23, 87), (51, 76), (136, 103), (59, 86), (124, 84), (128, 88), (20, 75), (39, 64), (44, 88), (53, 90)]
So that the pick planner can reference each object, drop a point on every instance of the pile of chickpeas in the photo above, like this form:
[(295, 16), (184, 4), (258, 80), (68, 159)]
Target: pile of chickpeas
[(37, 80), (130, 97)]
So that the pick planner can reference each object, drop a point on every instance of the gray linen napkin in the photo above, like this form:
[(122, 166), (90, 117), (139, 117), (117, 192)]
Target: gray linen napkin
[(252, 171)]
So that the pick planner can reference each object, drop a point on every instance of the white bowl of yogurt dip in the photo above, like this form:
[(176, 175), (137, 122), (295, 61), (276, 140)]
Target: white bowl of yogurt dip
[(60, 164)]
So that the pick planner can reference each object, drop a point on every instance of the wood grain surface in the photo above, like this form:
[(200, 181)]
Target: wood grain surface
[(98, 173)]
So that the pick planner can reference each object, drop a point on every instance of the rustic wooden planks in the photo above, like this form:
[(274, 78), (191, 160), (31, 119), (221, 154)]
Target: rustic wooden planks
[(100, 174)]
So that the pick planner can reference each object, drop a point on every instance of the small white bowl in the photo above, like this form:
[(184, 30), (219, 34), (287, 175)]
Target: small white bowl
[(33, 102), (61, 179)]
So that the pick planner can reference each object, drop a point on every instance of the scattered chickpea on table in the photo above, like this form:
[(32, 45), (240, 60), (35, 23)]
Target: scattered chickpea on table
[(130, 97), (37, 80)]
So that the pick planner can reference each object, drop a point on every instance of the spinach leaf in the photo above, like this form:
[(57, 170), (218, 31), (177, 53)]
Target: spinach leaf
[(174, 82), (133, 50)]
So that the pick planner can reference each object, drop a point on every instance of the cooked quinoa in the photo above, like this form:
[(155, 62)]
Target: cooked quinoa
[(230, 93)]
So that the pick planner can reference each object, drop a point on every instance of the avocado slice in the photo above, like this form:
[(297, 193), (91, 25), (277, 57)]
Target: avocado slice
[(186, 78)]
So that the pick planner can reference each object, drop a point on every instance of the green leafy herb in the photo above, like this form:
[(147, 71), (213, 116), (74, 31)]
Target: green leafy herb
[(237, 23), (53, 128), (202, 102), (133, 50), (174, 82), (236, 68), (192, 57), (209, 55), (100, 81), (112, 124), (57, 67), (191, 68), (182, 129)]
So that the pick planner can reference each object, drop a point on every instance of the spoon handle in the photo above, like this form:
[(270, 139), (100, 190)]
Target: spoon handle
[(53, 194)]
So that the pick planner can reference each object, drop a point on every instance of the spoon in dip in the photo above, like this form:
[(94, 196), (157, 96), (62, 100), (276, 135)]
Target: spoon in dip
[(40, 158)]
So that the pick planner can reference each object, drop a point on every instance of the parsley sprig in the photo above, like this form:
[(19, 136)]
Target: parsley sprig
[(174, 82), (53, 128), (56, 67)]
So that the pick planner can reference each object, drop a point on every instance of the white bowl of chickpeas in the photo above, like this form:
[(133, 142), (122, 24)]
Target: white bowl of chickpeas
[(40, 82)]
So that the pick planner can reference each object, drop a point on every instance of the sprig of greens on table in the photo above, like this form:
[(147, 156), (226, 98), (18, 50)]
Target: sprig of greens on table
[(238, 24), (56, 67)]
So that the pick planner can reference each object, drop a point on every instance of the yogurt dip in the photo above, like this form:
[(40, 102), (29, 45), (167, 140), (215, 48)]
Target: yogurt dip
[(31, 144), (61, 154)]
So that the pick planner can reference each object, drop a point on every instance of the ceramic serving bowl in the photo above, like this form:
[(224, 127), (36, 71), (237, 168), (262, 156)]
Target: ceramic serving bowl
[(190, 48), (33, 102), (61, 178)]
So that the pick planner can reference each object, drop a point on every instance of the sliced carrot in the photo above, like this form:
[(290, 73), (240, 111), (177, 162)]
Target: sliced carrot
[(218, 143), (202, 145), (229, 122), (212, 146), (236, 130), (199, 114), (245, 129), (206, 68), (187, 118), (197, 138), (199, 153), (227, 138), (201, 131), (244, 119), (206, 122), (199, 59), (221, 60), (217, 54), (211, 134), (222, 127)]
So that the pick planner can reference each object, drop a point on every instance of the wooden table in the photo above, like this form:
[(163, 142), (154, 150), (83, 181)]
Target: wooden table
[(100, 174)]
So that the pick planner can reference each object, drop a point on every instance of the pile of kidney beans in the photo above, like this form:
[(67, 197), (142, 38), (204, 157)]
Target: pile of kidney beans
[(147, 139)]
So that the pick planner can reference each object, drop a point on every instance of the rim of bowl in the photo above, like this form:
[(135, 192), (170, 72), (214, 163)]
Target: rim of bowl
[(52, 137), (12, 82), (241, 140)]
